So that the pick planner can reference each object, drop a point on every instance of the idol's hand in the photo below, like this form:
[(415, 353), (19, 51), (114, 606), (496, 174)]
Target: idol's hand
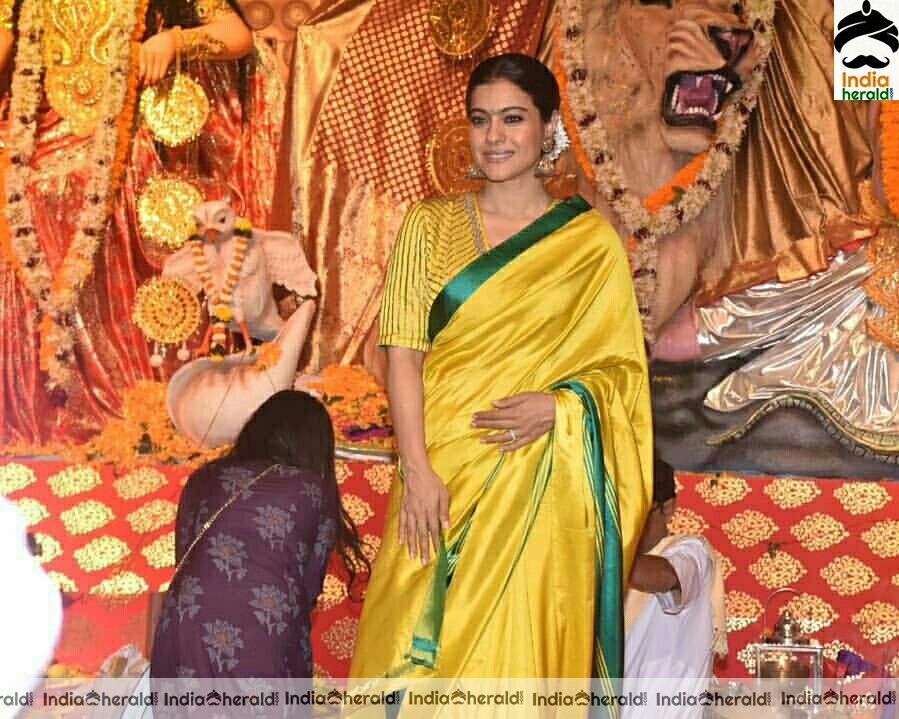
[(156, 54), (423, 512), (521, 419)]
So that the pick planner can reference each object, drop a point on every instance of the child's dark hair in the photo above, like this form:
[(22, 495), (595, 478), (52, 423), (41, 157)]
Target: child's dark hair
[(294, 428), (663, 487)]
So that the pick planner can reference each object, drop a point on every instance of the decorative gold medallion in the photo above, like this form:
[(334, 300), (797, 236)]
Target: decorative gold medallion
[(166, 311), (175, 109), (164, 210), (448, 157), (458, 27)]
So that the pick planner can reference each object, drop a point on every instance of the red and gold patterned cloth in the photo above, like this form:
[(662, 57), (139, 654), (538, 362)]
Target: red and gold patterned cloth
[(233, 158), (108, 541)]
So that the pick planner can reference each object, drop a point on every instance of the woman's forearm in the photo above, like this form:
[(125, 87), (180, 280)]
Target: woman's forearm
[(224, 38), (405, 390)]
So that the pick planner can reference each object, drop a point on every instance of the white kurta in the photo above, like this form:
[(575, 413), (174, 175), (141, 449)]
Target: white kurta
[(30, 611), (668, 646)]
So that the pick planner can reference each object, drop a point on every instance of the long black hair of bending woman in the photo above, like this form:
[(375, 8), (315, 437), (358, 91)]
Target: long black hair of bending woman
[(293, 428)]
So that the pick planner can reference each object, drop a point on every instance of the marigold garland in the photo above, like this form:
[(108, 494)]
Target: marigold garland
[(889, 153), (665, 210), (218, 299), (56, 297), (357, 404), (143, 435)]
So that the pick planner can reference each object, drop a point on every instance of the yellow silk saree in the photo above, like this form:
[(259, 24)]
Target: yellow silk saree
[(529, 580)]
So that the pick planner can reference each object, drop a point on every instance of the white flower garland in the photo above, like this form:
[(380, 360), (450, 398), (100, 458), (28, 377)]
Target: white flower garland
[(57, 297), (648, 227)]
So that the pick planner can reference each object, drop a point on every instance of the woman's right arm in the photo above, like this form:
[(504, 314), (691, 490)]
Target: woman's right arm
[(425, 504)]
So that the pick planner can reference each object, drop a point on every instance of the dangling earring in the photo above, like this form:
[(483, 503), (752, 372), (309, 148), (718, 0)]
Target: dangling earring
[(475, 173), (546, 167)]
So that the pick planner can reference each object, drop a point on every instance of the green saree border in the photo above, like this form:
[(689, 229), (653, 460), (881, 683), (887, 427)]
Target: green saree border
[(477, 272), (608, 618)]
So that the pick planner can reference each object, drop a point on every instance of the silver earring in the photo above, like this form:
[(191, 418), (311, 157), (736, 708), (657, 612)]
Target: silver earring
[(475, 173)]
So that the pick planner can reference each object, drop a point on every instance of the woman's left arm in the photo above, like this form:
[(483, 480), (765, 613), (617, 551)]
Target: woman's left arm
[(519, 419), (224, 37)]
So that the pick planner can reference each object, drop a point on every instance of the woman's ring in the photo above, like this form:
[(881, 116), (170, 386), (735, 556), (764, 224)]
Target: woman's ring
[(513, 435)]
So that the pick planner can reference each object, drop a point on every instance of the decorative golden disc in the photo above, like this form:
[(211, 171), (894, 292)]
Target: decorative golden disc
[(448, 157), (175, 109), (164, 210), (166, 311), (458, 27)]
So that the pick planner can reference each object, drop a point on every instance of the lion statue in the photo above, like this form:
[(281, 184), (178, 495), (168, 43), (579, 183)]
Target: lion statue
[(786, 222), (660, 77)]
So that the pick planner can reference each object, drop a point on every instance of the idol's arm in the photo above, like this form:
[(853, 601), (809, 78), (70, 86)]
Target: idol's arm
[(226, 37), (425, 505)]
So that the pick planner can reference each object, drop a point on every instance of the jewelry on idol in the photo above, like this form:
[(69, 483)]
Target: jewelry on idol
[(475, 173)]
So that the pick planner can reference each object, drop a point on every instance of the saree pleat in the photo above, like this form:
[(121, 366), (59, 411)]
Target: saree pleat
[(520, 601)]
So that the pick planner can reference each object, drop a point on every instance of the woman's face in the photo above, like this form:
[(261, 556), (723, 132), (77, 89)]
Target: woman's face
[(505, 131)]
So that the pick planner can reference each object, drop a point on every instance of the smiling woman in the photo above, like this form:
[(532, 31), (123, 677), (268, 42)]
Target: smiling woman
[(507, 317)]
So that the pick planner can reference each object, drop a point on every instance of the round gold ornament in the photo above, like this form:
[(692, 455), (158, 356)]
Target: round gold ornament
[(448, 157), (166, 311), (164, 210), (458, 27), (175, 109)]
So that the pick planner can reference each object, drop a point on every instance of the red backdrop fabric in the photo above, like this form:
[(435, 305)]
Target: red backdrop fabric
[(107, 539)]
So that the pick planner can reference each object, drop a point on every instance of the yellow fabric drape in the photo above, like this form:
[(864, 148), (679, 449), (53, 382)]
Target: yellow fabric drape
[(562, 310)]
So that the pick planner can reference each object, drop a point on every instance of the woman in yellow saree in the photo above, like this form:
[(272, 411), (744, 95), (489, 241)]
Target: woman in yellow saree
[(533, 504)]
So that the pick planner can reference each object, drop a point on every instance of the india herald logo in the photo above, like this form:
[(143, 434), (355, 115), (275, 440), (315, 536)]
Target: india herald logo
[(870, 25), (865, 44)]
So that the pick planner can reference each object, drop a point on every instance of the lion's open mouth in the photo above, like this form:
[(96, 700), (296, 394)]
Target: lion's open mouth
[(696, 98)]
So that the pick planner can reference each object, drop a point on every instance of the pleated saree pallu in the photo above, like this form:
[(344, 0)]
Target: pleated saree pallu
[(528, 581)]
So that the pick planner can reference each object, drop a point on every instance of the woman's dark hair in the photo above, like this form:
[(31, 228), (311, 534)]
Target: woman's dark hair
[(528, 73), (293, 428)]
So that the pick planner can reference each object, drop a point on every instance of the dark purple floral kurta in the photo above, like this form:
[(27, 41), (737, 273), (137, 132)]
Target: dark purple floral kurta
[(240, 605)]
